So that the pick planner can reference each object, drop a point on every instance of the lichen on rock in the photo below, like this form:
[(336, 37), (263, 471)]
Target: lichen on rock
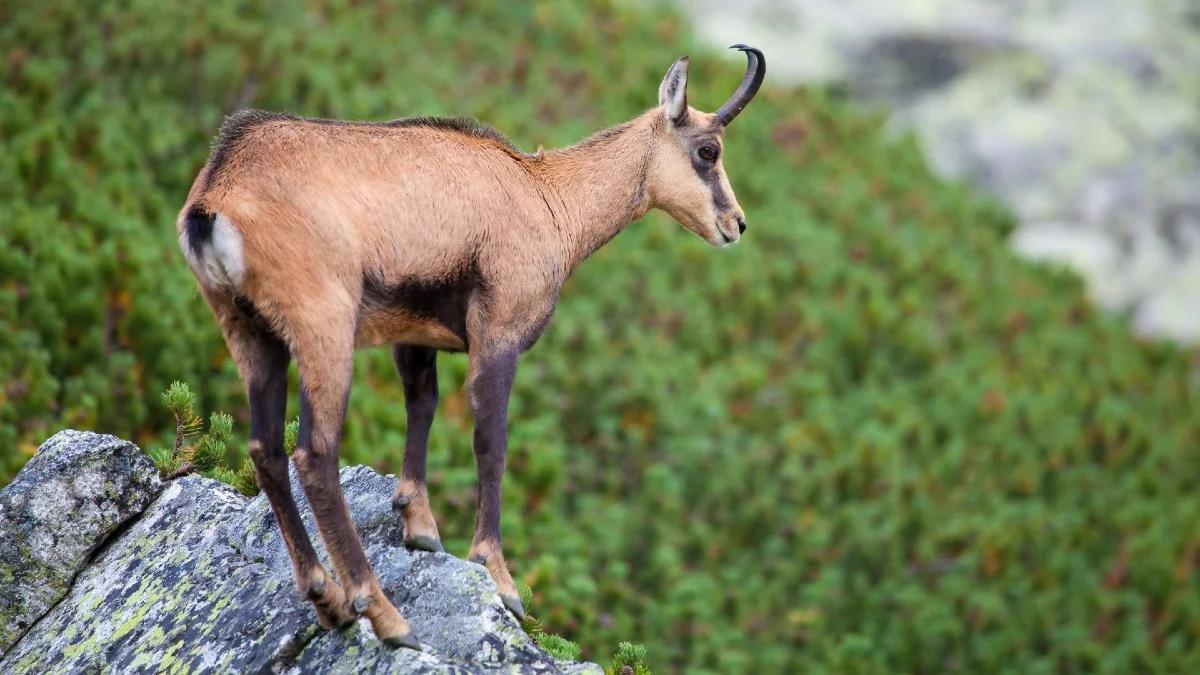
[(78, 489), (201, 581)]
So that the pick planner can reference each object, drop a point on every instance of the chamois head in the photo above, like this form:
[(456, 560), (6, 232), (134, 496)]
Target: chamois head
[(685, 176)]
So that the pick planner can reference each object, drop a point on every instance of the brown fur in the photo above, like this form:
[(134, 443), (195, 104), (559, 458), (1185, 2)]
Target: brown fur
[(430, 234)]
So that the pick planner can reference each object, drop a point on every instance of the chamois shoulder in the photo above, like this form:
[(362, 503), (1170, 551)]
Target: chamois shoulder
[(462, 125)]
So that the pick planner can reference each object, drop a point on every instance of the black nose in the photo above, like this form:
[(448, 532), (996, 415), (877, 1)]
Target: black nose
[(741, 225)]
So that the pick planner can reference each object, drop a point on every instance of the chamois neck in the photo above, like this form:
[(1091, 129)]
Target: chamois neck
[(601, 185)]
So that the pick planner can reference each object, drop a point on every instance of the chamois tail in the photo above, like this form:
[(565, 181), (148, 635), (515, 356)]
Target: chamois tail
[(213, 247)]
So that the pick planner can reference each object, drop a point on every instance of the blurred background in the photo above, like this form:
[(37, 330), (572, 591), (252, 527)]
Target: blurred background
[(1082, 116), (874, 437)]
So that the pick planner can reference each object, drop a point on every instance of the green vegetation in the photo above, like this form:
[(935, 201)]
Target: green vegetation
[(557, 646), (208, 454), (629, 660), (867, 439)]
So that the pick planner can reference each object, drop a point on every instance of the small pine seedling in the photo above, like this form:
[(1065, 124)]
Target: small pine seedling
[(206, 455), (244, 480), (222, 474), (291, 431), (554, 645), (558, 647), (180, 400), (524, 592), (629, 660)]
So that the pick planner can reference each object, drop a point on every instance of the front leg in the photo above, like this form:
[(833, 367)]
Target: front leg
[(490, 381)]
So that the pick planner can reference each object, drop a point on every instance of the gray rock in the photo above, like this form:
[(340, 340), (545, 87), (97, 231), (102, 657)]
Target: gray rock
[(76, 491), (201, 581)]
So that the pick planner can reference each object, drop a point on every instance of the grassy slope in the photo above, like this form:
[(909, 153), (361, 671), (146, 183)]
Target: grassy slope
[(866, 439)]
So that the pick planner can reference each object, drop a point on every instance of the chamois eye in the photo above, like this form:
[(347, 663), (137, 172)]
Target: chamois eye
[(707, 153)]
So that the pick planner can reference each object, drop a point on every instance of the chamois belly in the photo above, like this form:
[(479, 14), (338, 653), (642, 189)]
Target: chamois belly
[(389, 325), (429, 310)]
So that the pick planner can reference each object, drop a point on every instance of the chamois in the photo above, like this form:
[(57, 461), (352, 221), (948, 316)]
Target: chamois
[(312, 237)]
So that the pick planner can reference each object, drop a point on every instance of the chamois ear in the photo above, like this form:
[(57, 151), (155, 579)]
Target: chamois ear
[(672, 93)]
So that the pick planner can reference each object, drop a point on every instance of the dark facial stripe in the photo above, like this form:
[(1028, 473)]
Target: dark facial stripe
[(707, 171)]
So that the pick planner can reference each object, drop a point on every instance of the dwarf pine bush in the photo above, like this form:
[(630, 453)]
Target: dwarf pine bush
[(866, 439), (205, 453), (629, 660), (555, 645)]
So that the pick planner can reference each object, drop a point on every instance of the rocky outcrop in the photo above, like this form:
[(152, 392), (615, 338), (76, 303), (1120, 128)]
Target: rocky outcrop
[(77, 490), (200, 580)]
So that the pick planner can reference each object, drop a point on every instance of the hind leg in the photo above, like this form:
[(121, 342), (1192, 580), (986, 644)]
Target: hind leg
[(418, 372), (324, 349), (262, 361)]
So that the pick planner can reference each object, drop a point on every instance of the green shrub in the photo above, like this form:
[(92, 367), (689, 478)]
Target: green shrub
[(867, 438), (555, 645), (558, 647), (291, 431), (208, 454), (629, 660)]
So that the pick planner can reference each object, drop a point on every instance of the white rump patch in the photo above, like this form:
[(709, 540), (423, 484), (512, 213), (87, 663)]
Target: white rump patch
[(219, 262)]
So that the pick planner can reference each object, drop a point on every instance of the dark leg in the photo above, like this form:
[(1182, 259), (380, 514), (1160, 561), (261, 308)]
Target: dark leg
[(324, 389), (418, 372), (268, 401), (490, 383), (263, 361)]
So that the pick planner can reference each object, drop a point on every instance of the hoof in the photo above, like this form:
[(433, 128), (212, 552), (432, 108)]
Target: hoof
[(423, 542), (407, 640), (330, 614), (513, 603), (331, 619), (400, 502), (360, 604), (346, 622)]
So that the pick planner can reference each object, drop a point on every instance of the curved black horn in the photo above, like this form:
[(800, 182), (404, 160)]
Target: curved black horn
[(756, 69)]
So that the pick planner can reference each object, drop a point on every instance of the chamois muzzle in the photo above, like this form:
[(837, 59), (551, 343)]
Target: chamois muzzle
[(756, 69)]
